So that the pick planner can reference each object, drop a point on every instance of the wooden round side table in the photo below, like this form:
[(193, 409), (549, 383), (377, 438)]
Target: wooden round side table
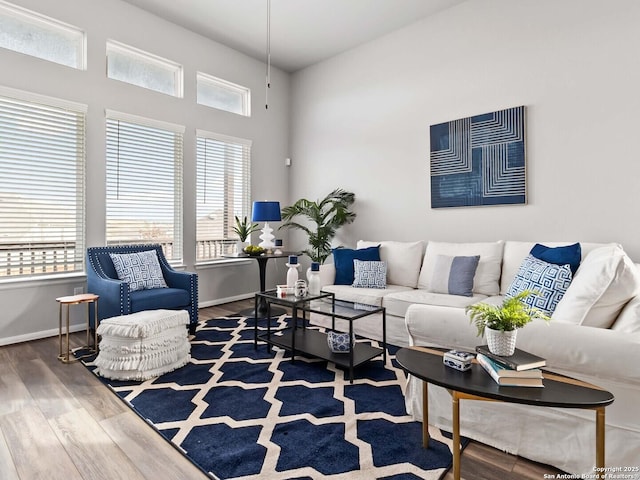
[(87, 298)]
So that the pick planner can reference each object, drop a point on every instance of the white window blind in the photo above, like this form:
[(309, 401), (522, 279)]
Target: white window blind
[(144, 183), (42, 160), (33, 34), (223, 191)]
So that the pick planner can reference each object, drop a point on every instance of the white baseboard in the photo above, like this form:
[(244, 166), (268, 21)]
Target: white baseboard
[(220, 301), (27, 337), (53, 332)]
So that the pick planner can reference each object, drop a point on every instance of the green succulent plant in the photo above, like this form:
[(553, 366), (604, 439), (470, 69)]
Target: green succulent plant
[(512, 314)]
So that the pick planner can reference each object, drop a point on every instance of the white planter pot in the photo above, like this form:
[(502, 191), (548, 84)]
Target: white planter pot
[(501, 343), (240, 246)]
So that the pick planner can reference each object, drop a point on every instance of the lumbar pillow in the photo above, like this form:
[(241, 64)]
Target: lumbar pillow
[(141, 270), (569, 254), (487, 277), (343, 260), (369, 274), (548, 281), (454, 275), (606, 280), (403, 260)]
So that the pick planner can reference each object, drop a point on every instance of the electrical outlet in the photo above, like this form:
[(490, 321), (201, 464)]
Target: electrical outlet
[(78, 290)]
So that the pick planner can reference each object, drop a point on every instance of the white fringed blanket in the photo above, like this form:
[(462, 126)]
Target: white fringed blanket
[(143, 345)]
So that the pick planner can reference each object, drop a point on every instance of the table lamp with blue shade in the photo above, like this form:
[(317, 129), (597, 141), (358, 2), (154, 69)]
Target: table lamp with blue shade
[(266, 212)]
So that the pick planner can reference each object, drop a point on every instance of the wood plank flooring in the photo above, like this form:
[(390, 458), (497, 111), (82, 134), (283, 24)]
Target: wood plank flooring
[(58, 421)]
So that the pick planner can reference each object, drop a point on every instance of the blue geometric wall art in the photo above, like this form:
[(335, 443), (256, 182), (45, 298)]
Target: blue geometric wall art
[(479, 160)]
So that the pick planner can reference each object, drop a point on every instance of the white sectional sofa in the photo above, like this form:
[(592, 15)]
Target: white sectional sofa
[(594, 336)]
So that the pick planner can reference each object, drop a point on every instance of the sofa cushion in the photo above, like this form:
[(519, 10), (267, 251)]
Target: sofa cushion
[(487, 275), (403, 260), (629, 319), (397, 303), (568, 254), (141, 270), (367, 296), (548, 281), (369, 274), (515, 252), (343, 261), (454, 275), (606, 280), (157, 298)]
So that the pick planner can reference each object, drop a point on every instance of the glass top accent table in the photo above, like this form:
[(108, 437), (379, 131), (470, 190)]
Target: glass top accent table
[(313, 342)]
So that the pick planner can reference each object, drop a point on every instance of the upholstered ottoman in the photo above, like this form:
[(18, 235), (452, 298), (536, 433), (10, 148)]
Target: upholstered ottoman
[(143, 345)]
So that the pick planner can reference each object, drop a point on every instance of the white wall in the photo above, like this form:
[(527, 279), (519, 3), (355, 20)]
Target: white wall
[(361, 120), (29, 308)]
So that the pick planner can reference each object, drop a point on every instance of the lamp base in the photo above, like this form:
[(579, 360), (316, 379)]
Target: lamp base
[(267, 237)]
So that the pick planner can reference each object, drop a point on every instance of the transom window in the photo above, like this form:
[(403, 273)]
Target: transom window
[(223, 191), (28, 32), (42, 160), (137, 67), (217, 93), (144, 183)]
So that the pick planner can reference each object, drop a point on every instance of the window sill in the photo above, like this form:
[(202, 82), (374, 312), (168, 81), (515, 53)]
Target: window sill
[(225, 262)]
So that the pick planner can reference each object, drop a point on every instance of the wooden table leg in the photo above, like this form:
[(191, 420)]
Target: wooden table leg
[(600, 441), (425, 415), (456, 436)]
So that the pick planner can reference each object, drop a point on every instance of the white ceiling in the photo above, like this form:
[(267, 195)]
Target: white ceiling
[(303, 32)]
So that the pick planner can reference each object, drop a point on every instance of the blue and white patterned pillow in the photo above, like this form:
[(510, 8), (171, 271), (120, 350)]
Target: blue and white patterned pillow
[(369, 274), (548, 280), (141, 270)]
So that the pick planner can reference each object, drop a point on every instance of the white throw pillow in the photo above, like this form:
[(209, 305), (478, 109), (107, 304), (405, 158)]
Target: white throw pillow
[(629, 319), (487, 277), (606, 280), (403, 260)]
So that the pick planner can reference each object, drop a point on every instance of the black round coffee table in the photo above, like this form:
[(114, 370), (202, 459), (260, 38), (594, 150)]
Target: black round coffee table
[(476, 384)]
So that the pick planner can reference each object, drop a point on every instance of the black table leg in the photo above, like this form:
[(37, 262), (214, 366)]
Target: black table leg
[(260, 311)]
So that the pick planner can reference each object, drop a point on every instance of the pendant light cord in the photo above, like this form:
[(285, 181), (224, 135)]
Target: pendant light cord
[(268, 79)]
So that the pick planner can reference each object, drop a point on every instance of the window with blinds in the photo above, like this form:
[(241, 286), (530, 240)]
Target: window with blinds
[(223, 192), (144, 183), (42, 160)]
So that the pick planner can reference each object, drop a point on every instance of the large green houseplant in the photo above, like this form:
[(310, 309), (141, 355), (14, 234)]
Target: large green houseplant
[(501, 322), (325, 217)]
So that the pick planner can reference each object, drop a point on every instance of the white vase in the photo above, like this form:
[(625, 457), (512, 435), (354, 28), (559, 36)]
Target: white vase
[(501, 343), (240, 247)]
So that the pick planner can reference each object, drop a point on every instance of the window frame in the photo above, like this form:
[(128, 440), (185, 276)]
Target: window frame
[(77, 261), (210, 80), (246, 187), (150, 58), (38, 20), (175, 257)]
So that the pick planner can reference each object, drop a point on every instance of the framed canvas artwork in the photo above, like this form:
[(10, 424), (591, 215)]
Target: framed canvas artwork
[(479, 160)]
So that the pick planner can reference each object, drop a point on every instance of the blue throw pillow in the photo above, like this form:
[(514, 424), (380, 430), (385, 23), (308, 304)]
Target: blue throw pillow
[(548, 280), (454, 275), (343, 261), (369, 274), (566, 255)]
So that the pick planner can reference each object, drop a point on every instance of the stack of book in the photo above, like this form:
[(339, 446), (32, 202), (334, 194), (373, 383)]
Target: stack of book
[(522, 369)]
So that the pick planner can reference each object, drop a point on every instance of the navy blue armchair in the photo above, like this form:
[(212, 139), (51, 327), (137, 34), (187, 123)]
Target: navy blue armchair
[(115, 297)]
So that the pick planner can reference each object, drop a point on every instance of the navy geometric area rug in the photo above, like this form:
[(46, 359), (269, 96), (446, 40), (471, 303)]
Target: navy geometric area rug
[(241, 413)]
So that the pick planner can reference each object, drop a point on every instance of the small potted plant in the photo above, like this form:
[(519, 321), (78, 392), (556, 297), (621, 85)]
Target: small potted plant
[(501, 322), (243, 228)]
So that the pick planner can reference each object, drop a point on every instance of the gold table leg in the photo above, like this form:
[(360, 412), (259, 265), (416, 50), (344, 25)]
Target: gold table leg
[(600, 441), (425, 415), (456, 436)]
